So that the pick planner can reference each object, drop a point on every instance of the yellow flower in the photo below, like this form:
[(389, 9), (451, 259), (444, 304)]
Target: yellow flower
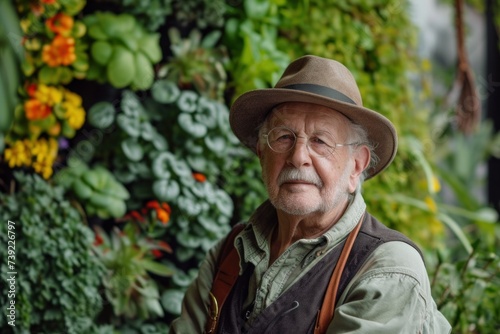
[(40, 148), (73, 98), (48, 95), (43, 167), (75, 115), (19, 154), (46, 153)]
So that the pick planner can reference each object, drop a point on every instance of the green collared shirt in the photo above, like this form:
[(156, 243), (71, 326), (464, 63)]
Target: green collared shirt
[(389, 294)]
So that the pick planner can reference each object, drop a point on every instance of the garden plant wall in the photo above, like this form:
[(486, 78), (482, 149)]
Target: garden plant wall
[(119, 168)]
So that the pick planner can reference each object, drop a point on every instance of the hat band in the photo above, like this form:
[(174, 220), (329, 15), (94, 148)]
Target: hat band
[(321, 90)]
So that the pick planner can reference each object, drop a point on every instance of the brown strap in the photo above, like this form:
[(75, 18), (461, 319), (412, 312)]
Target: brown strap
[(325, 314), (226, 276)]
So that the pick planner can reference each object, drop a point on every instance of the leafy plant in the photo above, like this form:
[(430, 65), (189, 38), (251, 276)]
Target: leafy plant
[(197, 62), (127, 256), (466, 289), (96, 188), (122, 51), (58, 276), (150, 13)]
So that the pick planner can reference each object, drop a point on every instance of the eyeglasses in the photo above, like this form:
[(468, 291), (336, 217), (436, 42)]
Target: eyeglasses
[(282, 139)]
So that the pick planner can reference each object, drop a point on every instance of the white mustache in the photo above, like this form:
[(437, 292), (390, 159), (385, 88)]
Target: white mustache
[(294, 174)]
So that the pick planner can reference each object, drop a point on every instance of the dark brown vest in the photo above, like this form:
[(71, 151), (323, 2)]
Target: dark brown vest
[(295, 311)]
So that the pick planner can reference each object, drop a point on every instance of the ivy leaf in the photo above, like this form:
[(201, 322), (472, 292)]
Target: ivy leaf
[(130, 125), (195, 129), (101, 115), (224, 202), (216, 144), (147, 131), (160, 165), (165, 91), (159, 142), (166, 190), (187, 239), (206, 113), (172, 301), (187, 102), (132, 149), (130, 105)]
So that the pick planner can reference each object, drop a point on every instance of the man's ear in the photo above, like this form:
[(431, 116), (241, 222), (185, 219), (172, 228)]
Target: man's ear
[(361, 161)]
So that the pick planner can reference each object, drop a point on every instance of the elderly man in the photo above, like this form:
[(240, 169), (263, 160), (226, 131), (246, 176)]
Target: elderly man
[(311, 259)]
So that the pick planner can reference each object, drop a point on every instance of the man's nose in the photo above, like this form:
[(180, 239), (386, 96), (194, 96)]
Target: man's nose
[(299, 155)]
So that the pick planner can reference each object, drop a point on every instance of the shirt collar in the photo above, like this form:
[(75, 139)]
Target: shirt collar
[(253, 242)]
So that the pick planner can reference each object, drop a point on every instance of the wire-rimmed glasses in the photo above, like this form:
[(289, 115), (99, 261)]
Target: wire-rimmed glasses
[(282, 139)]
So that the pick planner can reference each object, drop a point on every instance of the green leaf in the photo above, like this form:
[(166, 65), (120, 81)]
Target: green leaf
[(172, 301), (101, 115), (131, 126), (160, 165), (131, 106), (187, 124), (157, 268), (216, 144), (165, 91), (132, 149), (206, 113), (188, 101), (166, 190)]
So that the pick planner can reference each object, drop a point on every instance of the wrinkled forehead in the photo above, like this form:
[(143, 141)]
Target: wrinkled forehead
[(307, 116)]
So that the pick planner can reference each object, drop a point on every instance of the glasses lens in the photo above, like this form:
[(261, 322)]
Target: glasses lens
[(321, 143), (281, 139)]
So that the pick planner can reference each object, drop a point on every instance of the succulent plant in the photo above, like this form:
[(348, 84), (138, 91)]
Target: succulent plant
[(122, 51)]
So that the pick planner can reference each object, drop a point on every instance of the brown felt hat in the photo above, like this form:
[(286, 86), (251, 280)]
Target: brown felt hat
[(320, 81)]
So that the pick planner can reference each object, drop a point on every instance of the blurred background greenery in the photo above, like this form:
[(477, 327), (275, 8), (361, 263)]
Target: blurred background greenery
[(120, 171)]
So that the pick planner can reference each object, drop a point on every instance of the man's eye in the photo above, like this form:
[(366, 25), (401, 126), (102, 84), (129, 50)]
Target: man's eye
[(318, 141), (285, 137)]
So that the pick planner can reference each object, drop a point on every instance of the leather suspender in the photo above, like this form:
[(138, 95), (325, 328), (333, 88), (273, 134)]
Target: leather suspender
[(227, 274), (325, 314), (228, 271)]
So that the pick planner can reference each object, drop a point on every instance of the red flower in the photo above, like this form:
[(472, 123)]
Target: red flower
[(153, 205), (199, 177), (31, 89), (157, 253), (98, 240)]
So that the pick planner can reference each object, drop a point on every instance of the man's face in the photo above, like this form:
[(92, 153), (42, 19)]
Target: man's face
[(299, 182)]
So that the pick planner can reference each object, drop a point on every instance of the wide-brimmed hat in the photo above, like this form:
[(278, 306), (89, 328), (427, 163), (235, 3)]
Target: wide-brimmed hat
[(321, 81)]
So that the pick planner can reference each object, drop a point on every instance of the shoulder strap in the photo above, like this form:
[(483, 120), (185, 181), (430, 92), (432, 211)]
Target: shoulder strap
[(225, 277), (327, 310)]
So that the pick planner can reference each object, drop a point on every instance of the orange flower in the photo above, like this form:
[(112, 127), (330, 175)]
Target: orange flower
[(34, 110), (49, 2), (199, 177), (162, 216), (60, 24), (60, 52)]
